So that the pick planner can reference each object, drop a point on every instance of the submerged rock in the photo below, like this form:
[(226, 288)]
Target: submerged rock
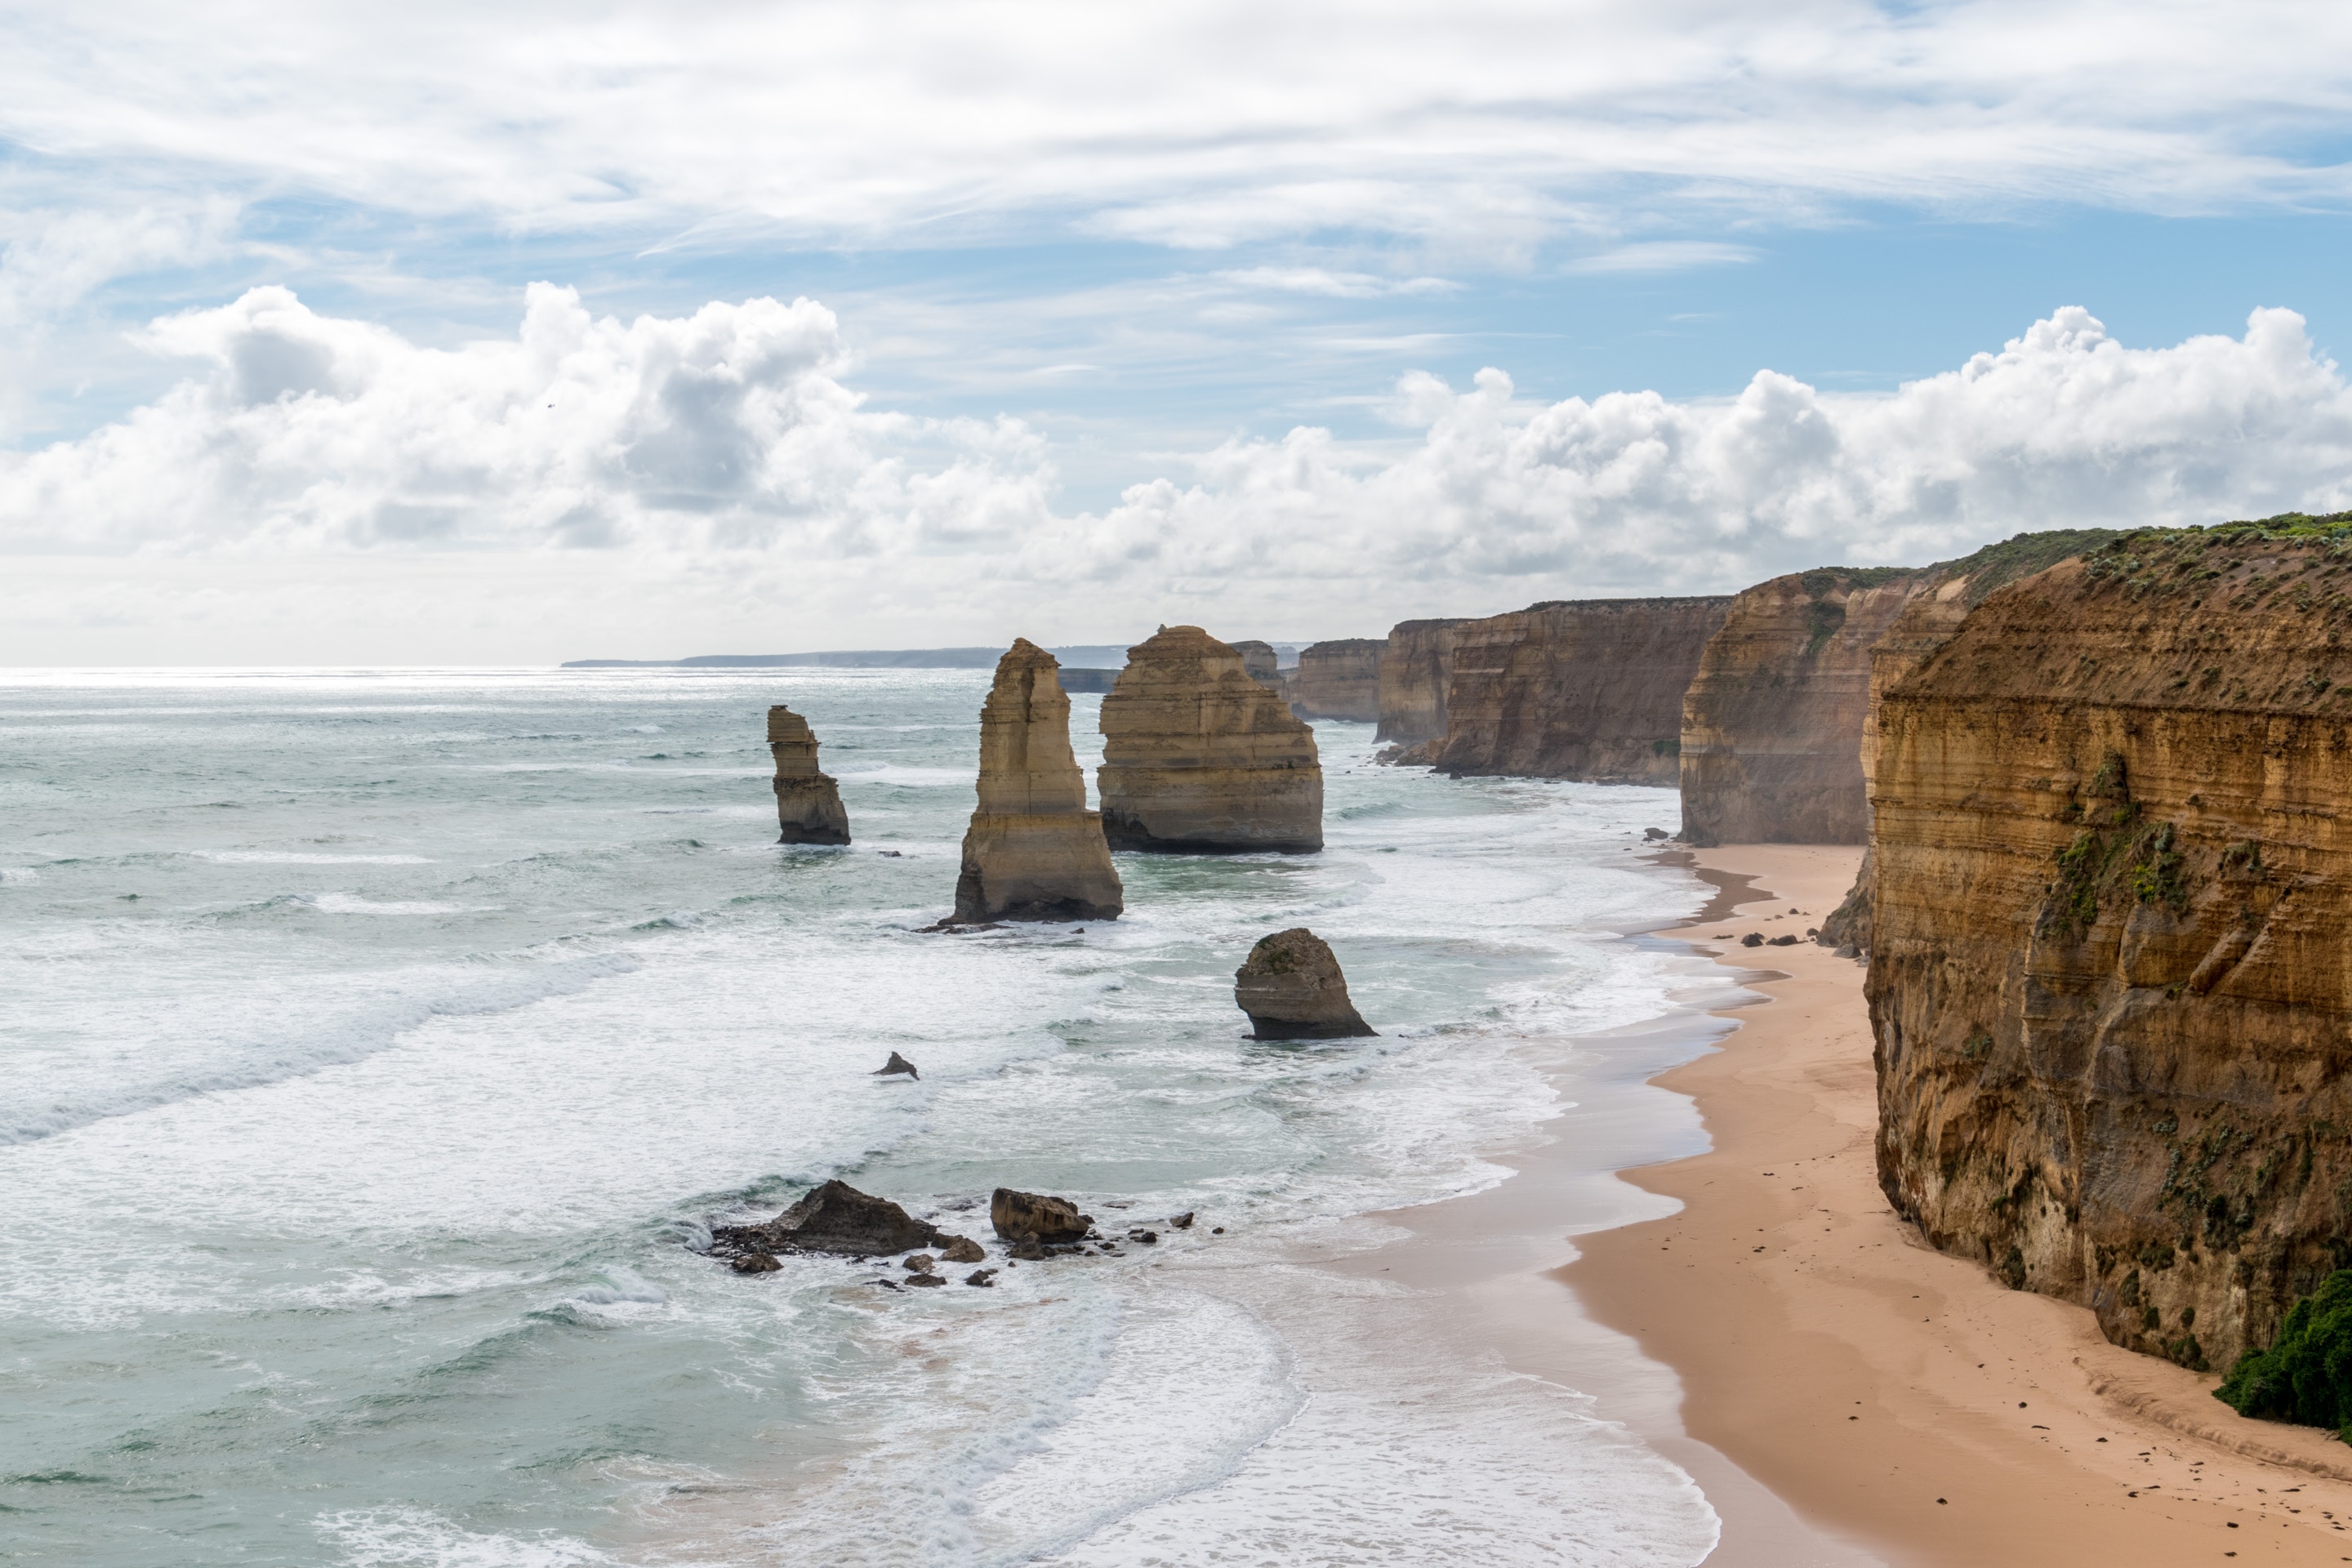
[(757, 1263), (894, 1066), (808, 803), (1199, 758), (1034, 851), (1033, 1217), (834, 1217), (1291, 987)]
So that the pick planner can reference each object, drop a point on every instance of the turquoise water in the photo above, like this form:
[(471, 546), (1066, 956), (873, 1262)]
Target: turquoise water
[(380, 1046)]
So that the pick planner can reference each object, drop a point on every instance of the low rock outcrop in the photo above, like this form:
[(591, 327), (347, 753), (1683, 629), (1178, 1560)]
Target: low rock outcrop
[(1771, 725), (1198, 758), (1034, 851), (1416, 666), (1291, 987), (808, 803), (1033, 1216), (833, 1218), (2108, 982), (1339, 680), (1587, 688)]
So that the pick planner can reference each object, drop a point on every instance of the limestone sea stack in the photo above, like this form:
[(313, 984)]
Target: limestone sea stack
[(2107, 979), (1263, 664), (1587, 688), (1291, 987), (808, 803), (1339, 680), (1034, 851), (1199, 758)]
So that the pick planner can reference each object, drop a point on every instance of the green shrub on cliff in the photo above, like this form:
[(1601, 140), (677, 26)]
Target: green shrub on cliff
[(2306, 1374)]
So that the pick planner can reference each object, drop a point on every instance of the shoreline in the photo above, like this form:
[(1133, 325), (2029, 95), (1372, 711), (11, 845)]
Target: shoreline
[(1897, 1398)]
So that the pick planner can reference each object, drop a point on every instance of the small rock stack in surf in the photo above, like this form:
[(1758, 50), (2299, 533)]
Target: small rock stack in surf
[(1034, 851), (1292, 989), (808, 804), (1199, 758)]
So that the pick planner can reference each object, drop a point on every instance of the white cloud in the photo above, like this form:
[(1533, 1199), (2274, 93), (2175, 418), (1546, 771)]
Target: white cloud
[(1482, 126), (710, 481), (1664, 256)]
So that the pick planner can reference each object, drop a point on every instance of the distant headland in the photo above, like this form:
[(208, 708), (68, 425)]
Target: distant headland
[(1111, 655)]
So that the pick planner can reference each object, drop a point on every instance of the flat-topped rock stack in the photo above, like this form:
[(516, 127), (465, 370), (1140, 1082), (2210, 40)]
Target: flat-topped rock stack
[(1199, 758), (1416, 666), (1339, 680), (808, 803), (1034, 851), (1263, 664)]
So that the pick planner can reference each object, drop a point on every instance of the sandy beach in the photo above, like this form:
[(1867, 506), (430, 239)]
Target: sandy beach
[(1897, 1398)]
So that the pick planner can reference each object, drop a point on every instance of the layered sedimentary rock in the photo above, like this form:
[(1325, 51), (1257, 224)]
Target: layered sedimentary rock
[(1771, 725), (1339, 680), (1291, 987), (1416, 666), (1586, 689), (1034, 851), (1199, 758), (2109, 984), (1937, 599), (808, 803), (1263, 664)]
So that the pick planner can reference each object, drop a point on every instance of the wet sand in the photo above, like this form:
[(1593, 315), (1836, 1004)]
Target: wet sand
[(1892, 1397)]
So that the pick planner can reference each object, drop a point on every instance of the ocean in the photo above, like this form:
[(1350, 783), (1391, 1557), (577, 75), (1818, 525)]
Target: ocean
[(380, 1045)]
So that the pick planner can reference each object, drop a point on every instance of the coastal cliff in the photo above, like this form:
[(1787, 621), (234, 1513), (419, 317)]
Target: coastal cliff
[(1199, 757), (2108, 983), (808, 803), (1339, 680), (1416, 666), (1034, 851), (1771, 725), (1587, 688)]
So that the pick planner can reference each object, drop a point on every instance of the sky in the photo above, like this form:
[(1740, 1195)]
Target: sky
[(459, 334)]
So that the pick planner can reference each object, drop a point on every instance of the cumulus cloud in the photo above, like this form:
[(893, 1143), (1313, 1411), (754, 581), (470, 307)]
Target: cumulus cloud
[(667, 466)]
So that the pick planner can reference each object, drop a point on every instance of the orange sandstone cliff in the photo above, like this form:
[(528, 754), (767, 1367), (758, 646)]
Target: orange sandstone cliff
[(1588, 689), (2109, 984), (1771, 725), (1339, 680), (1416, 666)]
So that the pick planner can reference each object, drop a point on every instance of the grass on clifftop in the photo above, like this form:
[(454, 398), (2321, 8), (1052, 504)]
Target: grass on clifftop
[(2022, 555), (2305, 1377)]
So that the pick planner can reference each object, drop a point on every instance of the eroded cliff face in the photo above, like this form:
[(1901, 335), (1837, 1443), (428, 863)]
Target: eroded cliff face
[(1034, 851), (1587, 688), (1771, 725), (1416, 666), (1199, 758), (1339, 680), (2109, 981)]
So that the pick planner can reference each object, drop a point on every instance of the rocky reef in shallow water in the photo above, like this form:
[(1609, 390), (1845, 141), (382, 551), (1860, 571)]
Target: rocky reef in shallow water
[(1199, 758), (2108, 984), (1416, 667), (1339, 680), (1291, 987), (1034, 851), (1585, 688), (808, 803), (1772, 723)]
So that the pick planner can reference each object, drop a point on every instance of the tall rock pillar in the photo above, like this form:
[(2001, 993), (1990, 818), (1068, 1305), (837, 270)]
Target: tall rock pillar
[(1034, 851), (1199, 758), (808, 804)]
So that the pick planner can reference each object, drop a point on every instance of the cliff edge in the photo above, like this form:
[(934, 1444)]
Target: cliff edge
[(1587, 688), (2108, 985)]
